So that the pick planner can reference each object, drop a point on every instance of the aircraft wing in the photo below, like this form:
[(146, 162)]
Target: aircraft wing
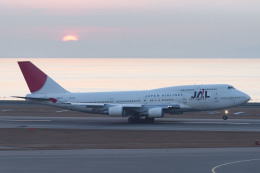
[(173, 106), (86, 104), (103, 104), (129, 106)]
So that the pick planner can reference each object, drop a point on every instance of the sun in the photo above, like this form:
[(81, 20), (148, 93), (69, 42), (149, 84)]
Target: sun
[(70, 38)]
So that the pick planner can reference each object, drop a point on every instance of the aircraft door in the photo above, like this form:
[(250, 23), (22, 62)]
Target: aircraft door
[(216, 98), (145, 100)]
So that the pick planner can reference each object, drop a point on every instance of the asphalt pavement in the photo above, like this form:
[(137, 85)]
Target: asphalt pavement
[(246, 125), (211, 160)]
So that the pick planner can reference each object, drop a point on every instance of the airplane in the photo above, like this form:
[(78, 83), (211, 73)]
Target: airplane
[(138, 106)]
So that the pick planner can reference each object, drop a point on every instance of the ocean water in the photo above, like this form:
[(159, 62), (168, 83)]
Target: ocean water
[(114, 74)]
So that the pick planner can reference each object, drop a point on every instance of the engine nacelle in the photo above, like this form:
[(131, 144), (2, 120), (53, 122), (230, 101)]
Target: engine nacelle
[(155, 113), (116, 111)]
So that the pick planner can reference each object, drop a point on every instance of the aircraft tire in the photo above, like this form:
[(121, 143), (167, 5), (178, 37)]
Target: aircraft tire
[(149, 120), (134, 119), (131, 120), (225, 117)]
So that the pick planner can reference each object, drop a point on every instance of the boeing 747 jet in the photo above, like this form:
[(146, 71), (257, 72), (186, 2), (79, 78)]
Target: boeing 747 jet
[(138, 106)]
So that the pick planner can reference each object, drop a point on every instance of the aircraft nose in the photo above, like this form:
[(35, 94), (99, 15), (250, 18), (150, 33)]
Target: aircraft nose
[(247, 97), (244, 98)]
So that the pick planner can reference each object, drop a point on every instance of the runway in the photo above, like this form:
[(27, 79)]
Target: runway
[(245, 125), (223, 160), (74, 133)]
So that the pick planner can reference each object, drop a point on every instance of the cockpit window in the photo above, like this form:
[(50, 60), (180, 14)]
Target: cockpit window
[(231, 87)]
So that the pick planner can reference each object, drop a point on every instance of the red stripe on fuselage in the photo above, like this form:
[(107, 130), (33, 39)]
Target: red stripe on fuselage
[(53, 100), (34, 77)]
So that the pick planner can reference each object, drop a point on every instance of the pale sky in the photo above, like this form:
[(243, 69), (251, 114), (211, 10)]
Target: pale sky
[(122, 74), (130, 28)]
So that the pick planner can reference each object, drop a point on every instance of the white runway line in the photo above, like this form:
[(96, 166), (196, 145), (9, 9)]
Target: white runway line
[(238, 113), (62, 111), (31, 120), (212, 123), (6, 110), (213, 170)]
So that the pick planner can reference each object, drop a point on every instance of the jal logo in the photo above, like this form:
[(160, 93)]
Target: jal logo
[(200, 95)]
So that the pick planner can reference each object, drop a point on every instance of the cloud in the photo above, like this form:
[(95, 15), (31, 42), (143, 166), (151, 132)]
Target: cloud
[(137, 28)]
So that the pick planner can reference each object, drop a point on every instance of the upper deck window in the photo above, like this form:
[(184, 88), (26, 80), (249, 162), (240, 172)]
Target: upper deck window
[(231, 87)]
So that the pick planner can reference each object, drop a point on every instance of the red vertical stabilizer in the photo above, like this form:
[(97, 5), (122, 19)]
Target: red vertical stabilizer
[(34, 77)]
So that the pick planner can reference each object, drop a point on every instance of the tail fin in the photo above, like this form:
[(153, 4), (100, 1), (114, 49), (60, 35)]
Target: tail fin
[(37, 81)]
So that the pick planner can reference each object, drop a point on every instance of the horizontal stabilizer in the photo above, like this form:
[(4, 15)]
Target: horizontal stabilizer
[(32, 98), (36, 99)]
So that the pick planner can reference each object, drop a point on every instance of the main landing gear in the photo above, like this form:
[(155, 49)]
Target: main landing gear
[(225, 116), (137, 119)]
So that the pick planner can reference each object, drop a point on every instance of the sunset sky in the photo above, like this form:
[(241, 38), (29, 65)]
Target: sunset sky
[(129, 28)]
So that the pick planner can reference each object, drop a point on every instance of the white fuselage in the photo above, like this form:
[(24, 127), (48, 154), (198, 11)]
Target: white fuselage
[(181, 98), (135, 104)]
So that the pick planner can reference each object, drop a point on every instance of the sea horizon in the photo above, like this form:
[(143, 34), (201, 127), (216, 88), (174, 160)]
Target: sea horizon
[(121, 74)]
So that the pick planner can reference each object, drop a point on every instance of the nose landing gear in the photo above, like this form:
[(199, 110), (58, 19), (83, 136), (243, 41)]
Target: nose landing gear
[(225, 116)]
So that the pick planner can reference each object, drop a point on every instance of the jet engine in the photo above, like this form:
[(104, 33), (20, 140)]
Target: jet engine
[(155, 113), (116, 111)]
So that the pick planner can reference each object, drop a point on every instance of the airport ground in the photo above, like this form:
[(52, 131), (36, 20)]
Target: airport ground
[(32, 126), (36, 138)]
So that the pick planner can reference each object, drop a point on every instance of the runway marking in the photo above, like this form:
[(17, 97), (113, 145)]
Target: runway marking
[(6, 110), (62, 111), (31, 120), (238, 113), (213, 170), (213, 123)]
